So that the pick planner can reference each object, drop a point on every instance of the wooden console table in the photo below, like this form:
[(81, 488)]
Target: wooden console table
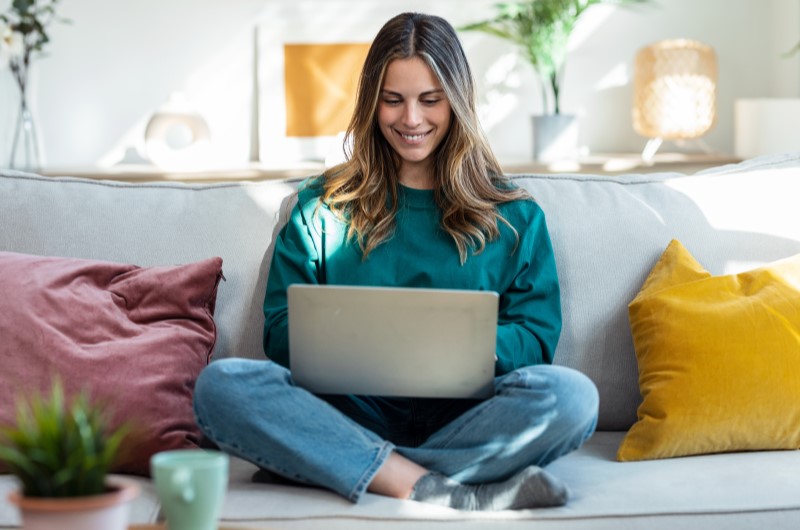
[(164, 527), (146, 173), (610, 164), (619, 163)]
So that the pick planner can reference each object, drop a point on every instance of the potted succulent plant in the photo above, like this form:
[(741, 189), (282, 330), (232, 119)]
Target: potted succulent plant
[(61, 451), (541, 29)]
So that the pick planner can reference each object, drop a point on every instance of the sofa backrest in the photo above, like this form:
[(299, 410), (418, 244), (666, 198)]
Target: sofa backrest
[(156, 224), (607, 232)]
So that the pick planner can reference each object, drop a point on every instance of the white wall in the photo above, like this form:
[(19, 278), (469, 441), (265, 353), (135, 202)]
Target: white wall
[(120, 59)]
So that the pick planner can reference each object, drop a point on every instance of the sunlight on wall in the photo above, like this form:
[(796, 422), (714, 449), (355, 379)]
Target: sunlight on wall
[(619, 75), (94, 92), (220, 88), (590, 22), (499, 100)]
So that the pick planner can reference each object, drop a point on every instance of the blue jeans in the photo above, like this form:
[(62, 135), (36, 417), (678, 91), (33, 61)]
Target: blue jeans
[(253, 409)]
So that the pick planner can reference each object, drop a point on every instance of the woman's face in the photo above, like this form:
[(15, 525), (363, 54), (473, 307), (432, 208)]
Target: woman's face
[(414, 117)]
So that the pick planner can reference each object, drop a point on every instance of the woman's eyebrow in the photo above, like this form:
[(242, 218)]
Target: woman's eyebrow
[(422, 94)]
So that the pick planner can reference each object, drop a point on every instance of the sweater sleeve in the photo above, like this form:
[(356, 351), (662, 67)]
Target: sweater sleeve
[(529, 320), (295, 260)]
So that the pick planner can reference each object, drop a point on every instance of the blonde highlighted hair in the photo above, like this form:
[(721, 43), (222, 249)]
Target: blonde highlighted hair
[(468, 181)]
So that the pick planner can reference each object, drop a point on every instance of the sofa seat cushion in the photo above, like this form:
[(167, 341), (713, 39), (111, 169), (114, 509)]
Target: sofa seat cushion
[(714, 491), (731, 491)]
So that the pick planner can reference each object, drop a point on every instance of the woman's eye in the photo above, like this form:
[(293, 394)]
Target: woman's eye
[(391, 101), (430, 102)]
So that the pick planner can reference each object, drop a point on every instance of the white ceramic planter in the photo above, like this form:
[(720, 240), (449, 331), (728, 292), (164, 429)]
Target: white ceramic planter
[(555, 137), (108, 511)]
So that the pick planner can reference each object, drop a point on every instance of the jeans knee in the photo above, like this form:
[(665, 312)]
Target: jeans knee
[(581, 398), (573, 396), (211, 384), (227, 384)]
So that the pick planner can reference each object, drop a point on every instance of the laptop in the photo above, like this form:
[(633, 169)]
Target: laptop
[(391, 341)]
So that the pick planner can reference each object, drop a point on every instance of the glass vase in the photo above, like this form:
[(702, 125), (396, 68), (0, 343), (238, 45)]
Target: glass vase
[(25, 144)]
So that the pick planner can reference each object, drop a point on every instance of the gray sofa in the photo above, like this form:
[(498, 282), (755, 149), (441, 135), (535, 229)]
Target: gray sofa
[(608, 231)]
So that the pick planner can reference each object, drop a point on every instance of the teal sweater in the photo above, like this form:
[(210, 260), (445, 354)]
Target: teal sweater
[(313, 248)]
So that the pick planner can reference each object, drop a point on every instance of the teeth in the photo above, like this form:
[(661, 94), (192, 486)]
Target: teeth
[(412, 137)]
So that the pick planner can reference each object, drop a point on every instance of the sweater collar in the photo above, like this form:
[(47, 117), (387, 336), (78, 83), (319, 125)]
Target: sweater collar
[(416, 198)]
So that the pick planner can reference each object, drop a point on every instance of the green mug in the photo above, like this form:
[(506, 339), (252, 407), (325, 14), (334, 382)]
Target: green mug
[(191, 485)]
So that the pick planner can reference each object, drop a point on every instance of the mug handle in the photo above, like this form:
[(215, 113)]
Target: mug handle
[(182, 484)]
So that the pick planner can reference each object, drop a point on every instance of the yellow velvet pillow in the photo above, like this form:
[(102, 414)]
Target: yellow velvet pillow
[(719, 359)]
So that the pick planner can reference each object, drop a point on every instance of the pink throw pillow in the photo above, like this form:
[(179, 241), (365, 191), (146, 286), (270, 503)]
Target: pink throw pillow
[(135, 338)]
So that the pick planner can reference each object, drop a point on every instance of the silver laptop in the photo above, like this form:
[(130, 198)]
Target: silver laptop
[(386, 341)]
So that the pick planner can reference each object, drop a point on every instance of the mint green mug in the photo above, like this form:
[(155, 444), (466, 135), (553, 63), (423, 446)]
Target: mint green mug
[(191, 485)]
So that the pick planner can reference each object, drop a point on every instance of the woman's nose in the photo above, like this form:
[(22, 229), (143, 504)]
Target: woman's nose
[(411, 115)]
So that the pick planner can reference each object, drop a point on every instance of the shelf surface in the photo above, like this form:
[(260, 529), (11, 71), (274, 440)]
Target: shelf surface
[(593, 164)]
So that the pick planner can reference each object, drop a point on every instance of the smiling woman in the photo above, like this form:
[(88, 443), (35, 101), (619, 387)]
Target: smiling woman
[(414, 117), (420, 203)]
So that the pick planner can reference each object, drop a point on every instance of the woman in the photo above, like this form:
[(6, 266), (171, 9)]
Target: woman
[(420, 203)]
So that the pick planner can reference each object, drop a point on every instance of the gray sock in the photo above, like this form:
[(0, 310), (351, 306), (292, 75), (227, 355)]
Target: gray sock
[(530, 488)]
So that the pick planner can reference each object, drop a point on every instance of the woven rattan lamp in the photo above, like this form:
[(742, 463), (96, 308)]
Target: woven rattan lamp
[(674, 92)]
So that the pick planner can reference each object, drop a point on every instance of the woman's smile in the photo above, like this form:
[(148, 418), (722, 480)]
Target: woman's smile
[(413, 138)]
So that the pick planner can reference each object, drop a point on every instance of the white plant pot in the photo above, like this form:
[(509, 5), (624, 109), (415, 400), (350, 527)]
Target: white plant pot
[(555, 137), (108, 511)]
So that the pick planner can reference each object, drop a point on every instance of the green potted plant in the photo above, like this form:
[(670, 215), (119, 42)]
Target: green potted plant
[(541, 30), (61, 451)]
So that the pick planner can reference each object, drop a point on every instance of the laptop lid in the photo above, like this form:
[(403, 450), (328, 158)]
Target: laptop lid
[(388, 341)]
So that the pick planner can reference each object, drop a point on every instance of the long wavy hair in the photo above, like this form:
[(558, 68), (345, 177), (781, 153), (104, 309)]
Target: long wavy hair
[(468, 181)]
